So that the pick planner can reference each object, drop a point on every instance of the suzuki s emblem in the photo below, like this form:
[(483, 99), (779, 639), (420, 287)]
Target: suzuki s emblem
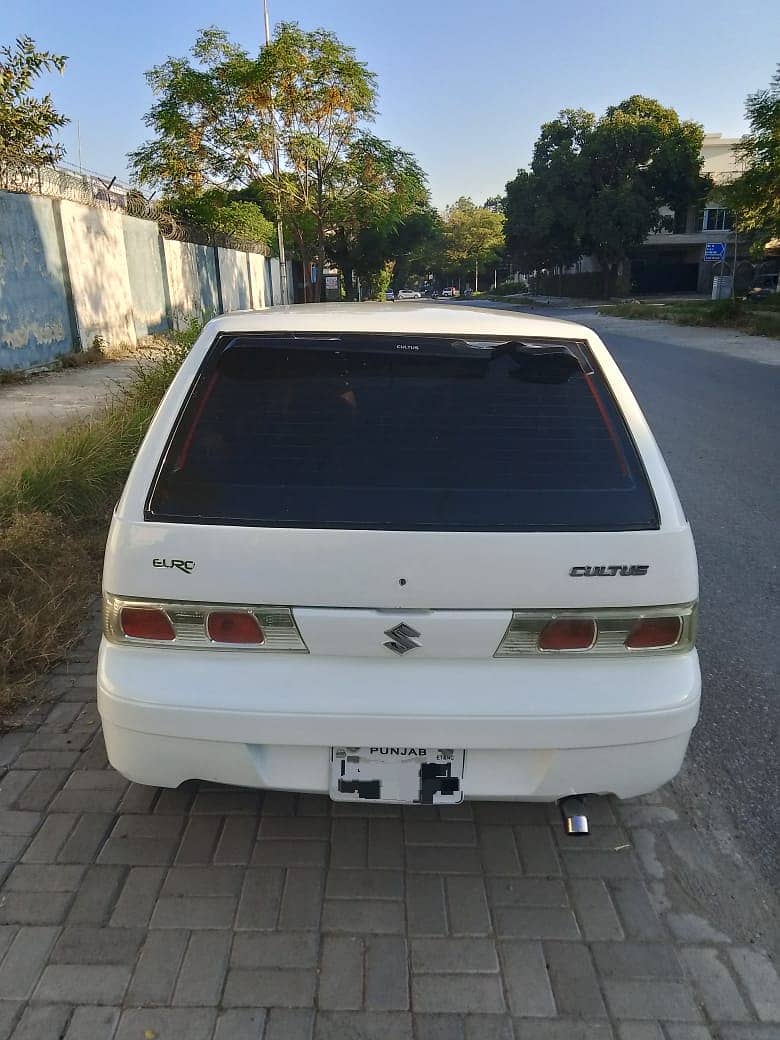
[(402, 639)]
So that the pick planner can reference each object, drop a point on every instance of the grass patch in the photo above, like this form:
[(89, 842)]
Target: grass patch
[(758, 319), (56, 496)]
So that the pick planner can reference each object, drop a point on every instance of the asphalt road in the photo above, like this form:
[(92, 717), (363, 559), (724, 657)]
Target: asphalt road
[(713, 401)]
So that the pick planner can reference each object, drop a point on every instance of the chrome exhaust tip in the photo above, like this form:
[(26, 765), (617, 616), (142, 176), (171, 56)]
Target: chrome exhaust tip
[(575, 820)]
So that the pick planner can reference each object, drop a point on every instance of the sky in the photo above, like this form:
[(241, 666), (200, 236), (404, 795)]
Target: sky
[(463, 85)]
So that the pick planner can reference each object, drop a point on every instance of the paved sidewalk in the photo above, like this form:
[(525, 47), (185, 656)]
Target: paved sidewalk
[(208, 913)]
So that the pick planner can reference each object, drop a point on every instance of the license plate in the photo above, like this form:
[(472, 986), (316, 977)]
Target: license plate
[(411, 776)]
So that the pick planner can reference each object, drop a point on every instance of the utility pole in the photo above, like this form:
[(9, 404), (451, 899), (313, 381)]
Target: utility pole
[(279, 223)]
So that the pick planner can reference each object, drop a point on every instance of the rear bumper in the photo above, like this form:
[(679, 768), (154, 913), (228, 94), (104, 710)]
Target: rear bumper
[(532, 729)]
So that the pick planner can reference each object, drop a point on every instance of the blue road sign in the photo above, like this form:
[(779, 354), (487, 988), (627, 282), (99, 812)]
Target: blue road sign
[(715, 251)]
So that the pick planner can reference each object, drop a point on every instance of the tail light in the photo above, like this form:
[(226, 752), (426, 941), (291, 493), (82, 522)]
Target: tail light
[(602, 632), (201, 626), (146, 623), (234, 626), (568, 634)]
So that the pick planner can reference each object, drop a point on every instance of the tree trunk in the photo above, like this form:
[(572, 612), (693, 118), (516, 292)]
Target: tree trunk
[(605, 267), (320, 239), (306, 262), (613, 277), (347, 275), (306, 276), (476, 276), (320, 265)]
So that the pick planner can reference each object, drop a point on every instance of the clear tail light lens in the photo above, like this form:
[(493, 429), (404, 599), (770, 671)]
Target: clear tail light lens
[(654, 633), (568, 634), (613, 631), (201, 626), (234, 626), (146, 623)]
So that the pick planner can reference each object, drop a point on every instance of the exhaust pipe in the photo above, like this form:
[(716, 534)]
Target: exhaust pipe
[(575, 821)]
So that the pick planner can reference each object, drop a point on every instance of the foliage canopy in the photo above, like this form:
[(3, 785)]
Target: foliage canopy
[(28, 124), (473, 235), (600, 186), (220, 113), (755, 195)]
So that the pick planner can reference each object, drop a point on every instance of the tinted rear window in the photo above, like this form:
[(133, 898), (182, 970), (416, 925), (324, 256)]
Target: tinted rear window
[(429, 434)]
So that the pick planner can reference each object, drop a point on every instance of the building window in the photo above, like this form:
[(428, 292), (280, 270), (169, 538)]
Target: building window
[(714, 219)]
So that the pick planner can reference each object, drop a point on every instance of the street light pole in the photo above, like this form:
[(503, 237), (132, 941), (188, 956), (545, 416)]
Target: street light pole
[(279, 223)]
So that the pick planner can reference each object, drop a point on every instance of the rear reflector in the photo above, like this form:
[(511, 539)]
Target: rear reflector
[(654, 633), (146, 623), (234, 626), (568, 634)]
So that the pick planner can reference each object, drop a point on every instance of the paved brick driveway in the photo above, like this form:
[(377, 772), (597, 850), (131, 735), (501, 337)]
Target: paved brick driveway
[(130, 913)]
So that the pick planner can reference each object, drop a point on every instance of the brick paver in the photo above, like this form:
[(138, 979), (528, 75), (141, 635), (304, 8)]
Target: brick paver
[(210, 913)]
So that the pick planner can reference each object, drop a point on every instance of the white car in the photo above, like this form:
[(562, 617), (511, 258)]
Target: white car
[(446, 531), (409, 294)]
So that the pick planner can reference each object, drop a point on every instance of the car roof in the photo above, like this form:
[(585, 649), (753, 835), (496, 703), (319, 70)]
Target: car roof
[(431, 319)]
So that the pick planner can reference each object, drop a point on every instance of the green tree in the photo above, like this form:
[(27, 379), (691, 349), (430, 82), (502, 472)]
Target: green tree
[(639, 158), (211, 126), (754, 196), (417, 246), (600, 186), (473, 235), (322, 95), (220, 112), (28, 124), (546, 207), (380, 188)]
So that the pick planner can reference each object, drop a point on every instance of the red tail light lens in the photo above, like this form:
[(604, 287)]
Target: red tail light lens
[(233, 626), (146, 623), (655, 632), (568, 634)]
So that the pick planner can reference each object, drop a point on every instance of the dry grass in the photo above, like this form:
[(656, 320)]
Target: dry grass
[(56, 496), (93, 356), (48, 576)]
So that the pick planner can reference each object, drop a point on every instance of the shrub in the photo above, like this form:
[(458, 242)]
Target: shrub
[(56, 497), (509, 288)]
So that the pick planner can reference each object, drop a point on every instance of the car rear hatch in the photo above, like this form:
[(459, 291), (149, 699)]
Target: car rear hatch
[(403, 494)]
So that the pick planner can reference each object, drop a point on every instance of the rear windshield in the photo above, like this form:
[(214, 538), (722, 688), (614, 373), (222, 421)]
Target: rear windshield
[(426, 434)]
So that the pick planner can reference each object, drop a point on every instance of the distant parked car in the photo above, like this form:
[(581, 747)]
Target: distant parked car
[(766, 285), (450, 292), (409, 294), (390, 295)]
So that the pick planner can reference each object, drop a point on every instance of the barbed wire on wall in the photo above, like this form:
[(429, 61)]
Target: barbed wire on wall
[(19, 174)]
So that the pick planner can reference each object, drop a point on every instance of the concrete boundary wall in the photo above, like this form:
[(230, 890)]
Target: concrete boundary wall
[(99, 276), (181, 266), (258, 281), (148, 284), (36, 323), (234, 280), (71, 274)]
